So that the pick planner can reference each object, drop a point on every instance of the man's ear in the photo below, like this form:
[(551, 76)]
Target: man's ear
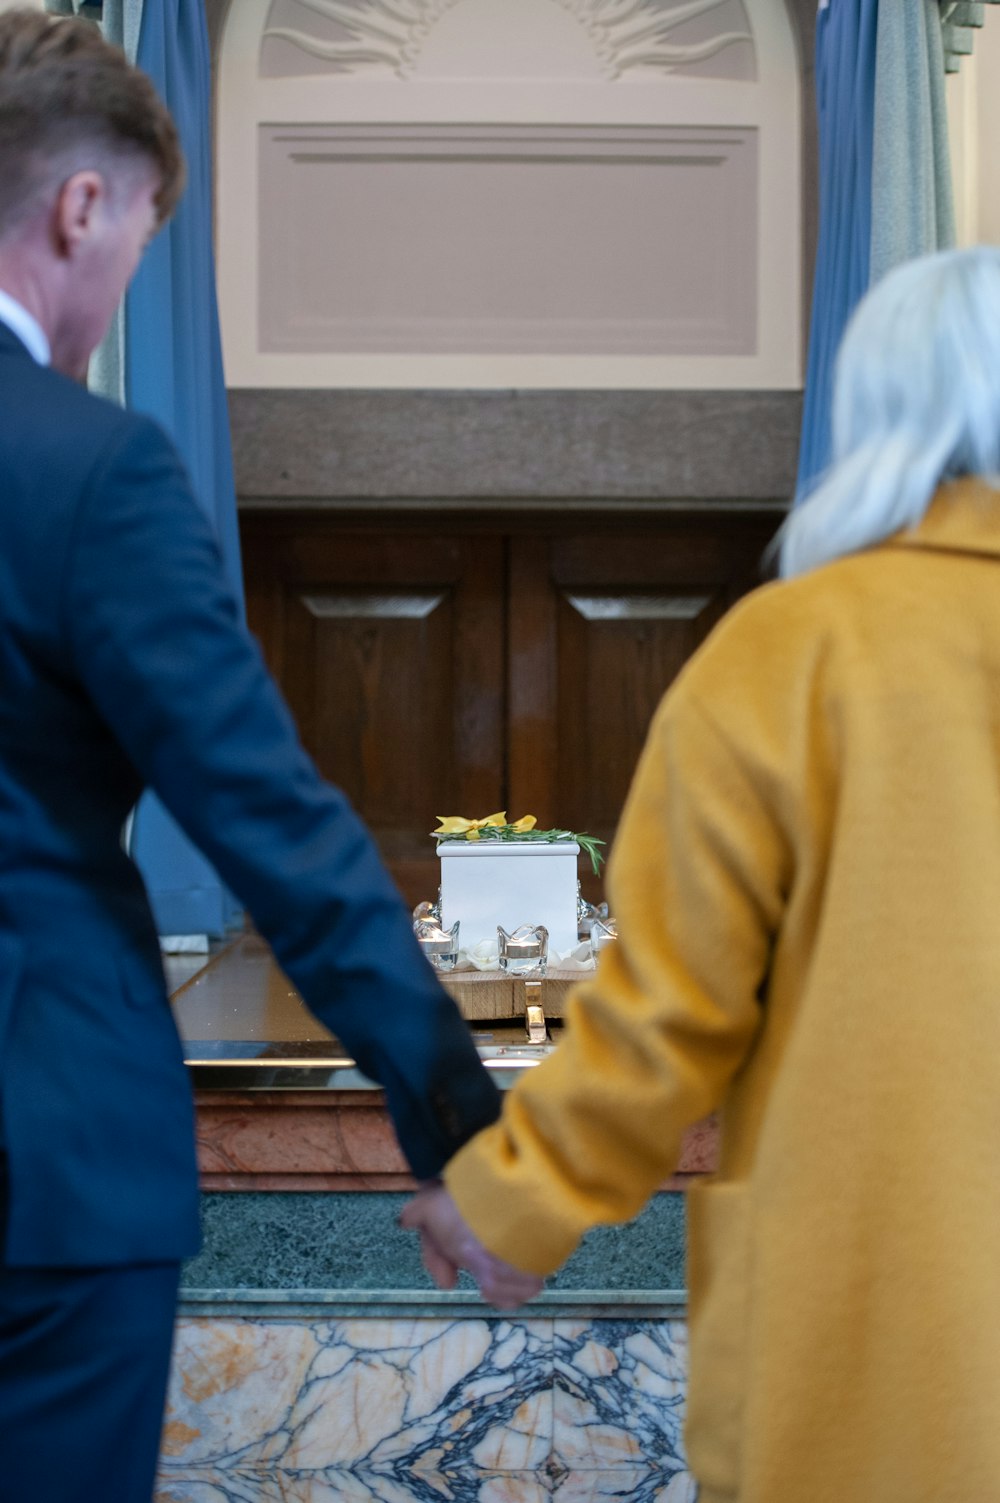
[(80, 201)]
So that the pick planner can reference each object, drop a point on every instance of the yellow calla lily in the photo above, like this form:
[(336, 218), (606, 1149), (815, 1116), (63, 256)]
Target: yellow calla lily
[(457, 824), (453, 824), (526, 822)]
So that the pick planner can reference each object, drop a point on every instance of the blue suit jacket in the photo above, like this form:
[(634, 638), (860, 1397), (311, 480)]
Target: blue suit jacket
[(123, 662)]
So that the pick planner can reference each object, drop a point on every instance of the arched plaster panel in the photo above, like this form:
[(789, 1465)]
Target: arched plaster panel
[(509, 193)]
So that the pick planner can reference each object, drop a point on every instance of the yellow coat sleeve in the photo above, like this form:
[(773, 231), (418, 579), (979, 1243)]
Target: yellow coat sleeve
[(697, 882)]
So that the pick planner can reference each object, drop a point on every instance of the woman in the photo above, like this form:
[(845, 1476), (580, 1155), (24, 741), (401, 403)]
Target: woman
[(807, 887)]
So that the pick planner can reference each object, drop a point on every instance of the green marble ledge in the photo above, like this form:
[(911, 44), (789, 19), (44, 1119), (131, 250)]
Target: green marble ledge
[(344, 1255)]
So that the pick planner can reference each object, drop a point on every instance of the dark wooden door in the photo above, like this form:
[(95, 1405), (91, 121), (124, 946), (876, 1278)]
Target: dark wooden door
[(496, 667)]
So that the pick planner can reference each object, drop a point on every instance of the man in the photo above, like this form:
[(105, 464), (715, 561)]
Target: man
[(123, 662)]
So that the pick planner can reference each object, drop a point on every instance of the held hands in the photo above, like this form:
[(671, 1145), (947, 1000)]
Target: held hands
[(447, 1245)]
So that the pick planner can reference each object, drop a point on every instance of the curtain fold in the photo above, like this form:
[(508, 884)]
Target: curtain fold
[(173, 372), (846, 35), (120, 21), (912, 208)]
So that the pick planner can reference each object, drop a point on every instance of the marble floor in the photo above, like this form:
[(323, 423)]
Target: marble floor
[(438, 1410)]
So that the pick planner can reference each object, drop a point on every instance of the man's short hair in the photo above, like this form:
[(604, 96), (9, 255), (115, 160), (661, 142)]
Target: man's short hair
[(69, 101)]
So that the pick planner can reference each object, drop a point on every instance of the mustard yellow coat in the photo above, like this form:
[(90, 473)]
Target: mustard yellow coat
[(807, 885)]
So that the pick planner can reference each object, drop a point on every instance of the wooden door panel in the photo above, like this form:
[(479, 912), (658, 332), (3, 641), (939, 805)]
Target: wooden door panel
[(369, 684), (602, 621), (617, 654), (390, 650)]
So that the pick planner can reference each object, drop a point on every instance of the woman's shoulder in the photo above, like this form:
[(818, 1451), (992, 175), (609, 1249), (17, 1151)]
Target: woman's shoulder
[(786, 631), (806, 604)]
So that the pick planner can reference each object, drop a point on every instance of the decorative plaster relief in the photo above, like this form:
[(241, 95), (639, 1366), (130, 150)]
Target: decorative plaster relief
[(627, 37), (378, 34), (634, 34)]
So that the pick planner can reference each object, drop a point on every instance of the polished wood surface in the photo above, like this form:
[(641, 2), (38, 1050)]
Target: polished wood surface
[(239, 994)]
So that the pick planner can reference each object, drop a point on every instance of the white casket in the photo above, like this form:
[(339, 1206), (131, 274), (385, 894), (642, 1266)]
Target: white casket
[(485, 883)]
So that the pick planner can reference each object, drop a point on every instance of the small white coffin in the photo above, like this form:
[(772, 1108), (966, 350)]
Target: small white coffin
[(485, 883)]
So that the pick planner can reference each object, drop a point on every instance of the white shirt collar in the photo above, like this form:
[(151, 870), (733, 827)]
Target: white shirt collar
[(26, 327)]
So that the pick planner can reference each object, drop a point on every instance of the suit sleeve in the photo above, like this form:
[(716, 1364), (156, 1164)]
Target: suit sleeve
[(158, 642), (696, 883)]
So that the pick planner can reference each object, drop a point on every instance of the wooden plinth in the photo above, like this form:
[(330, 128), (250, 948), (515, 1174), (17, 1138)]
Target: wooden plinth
[(486, 996)]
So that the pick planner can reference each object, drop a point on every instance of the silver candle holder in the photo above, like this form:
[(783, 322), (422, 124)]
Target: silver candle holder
[(603, 931), (525, 952), (587, 913)]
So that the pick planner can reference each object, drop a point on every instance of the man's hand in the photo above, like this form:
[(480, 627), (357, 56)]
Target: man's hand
[(447, 1245)]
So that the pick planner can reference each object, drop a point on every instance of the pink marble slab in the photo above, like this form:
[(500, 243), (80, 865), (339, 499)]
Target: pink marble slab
[(335, 1140)]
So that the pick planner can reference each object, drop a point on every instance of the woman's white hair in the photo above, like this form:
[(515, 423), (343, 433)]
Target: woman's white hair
[(916, 401)]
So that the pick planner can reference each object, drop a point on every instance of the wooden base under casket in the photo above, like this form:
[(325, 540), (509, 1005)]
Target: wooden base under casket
[(485, 996)]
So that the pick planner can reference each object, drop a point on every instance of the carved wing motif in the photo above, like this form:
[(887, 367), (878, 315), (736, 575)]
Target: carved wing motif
[(378, 33), (629, 34)]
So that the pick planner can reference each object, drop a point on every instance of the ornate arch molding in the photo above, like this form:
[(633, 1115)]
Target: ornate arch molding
[(647, 182)]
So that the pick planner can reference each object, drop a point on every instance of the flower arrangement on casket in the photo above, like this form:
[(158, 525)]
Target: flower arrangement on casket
[(508, 873)]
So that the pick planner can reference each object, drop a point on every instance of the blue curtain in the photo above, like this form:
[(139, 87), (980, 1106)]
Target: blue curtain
[(173, 372), (846, 33)]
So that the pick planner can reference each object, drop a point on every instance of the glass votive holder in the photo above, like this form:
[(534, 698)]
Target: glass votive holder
[(427, 912), (524, 952), (440, 946), (603, 931), (586, 913)]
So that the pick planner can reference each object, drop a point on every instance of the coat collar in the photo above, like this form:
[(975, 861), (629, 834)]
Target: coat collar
[(11, 344), (964, 517)]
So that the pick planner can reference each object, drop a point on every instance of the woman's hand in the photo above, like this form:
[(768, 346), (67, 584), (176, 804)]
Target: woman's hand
[(447, 1245)]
